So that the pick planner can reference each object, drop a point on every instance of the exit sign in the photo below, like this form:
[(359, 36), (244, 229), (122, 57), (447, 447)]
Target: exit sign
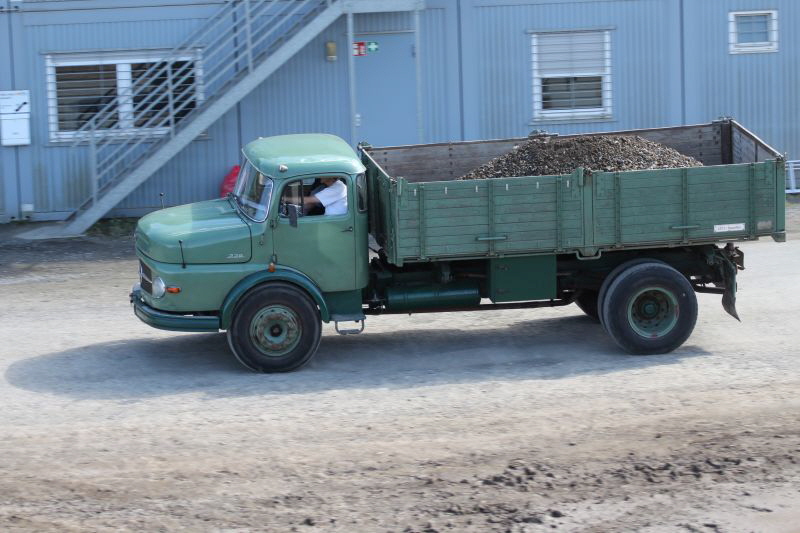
[(362, 48)]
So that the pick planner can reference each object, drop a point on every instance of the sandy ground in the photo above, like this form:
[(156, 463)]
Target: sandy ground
[(502, 421)]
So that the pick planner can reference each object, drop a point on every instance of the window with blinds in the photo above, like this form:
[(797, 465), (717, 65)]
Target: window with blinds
[(571, 75), (151, 94), (82, 91), (753, 32), (122, 94)]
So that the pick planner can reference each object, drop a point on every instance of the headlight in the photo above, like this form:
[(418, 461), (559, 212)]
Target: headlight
[(159, 287)]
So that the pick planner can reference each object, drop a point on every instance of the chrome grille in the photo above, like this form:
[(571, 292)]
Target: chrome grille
[(145, 278)]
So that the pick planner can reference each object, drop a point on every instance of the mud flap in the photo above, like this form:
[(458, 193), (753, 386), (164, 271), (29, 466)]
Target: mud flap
[(732, 260)]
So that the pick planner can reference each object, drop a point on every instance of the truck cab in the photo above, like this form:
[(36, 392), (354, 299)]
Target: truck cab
[(207, 266)]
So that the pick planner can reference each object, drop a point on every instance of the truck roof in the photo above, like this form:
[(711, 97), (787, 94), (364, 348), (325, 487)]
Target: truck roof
[(307, 153)]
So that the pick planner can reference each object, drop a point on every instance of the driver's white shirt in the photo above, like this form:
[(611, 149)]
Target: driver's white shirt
[(334, 198)]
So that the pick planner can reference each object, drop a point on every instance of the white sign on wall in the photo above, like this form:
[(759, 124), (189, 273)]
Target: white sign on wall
[(15, 118)]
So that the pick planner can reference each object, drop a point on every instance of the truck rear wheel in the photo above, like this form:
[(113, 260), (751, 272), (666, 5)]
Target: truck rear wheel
[(276, 328), (609, 279), (649, 308)]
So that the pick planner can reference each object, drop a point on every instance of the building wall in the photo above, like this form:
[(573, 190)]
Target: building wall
[(759, 90), (476, 81)]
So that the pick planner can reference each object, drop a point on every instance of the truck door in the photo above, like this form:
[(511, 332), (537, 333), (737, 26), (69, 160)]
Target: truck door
[(322, 245)]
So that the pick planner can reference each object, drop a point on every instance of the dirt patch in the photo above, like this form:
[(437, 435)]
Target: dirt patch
[(546, 156), (114, 227)]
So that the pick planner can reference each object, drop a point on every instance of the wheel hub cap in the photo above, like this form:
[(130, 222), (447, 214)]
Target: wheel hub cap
[(653, 312), (275, 330)]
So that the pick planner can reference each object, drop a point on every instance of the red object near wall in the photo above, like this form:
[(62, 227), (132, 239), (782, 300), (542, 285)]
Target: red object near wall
[(229, 181)]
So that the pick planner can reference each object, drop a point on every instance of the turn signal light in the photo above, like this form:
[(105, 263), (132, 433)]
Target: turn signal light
[(173, 290), (271, 267)]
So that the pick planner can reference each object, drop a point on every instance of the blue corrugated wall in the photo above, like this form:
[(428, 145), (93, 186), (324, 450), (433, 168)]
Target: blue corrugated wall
[(475, 80)]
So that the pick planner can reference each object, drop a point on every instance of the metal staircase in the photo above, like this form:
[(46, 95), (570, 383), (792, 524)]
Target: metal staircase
[(168, 105)]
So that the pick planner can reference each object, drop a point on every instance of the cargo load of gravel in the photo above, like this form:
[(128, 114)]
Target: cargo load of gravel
[(545, 156)]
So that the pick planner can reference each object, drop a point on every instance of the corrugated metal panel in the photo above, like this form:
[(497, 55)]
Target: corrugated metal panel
[(59, 172), (383, 22), (497, 64), (7, 175), (307, 94), (439, 90), (759, 90)]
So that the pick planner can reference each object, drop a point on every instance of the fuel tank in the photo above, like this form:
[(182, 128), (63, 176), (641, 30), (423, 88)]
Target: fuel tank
[(432, 296)]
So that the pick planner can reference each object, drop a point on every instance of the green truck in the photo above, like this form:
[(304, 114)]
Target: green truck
[(268, 264)]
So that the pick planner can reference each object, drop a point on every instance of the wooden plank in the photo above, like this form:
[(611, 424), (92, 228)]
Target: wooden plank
[(445, 250), (511, 227), (451, 212), (717, 208), (649, 210), (673, 219), (450, 230), (454, 218), (540, 245)]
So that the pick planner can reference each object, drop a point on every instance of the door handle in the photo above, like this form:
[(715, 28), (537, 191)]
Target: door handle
[(347, 229)]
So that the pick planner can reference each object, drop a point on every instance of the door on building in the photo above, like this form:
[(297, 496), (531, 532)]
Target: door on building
[(386, 94)]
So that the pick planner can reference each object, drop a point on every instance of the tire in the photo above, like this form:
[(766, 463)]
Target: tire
[(650, 308), (587, 301), (275, 328), (611, 277)]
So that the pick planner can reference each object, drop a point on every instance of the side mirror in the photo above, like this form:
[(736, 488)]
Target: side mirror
[(293, 210)]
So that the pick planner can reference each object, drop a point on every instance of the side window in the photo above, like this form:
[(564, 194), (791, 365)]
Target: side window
[(753, 31), (361, 188), (324, 195)]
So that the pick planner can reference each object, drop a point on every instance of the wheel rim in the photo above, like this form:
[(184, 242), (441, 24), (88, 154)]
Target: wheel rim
[(653, 312), (275, 330)]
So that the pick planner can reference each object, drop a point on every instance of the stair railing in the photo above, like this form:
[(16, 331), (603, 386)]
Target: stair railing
[(163, 98)]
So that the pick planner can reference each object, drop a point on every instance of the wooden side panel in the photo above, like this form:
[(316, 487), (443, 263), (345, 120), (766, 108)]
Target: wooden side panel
[(703, 142), (418, 218), (685, 205), (443, 219), (489, 217), (382, 195), (748, 148), (744, 148), (637, 206)]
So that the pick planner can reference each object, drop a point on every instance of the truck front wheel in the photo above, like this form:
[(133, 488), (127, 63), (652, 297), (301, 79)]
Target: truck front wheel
[(649, 308), (275, 328)]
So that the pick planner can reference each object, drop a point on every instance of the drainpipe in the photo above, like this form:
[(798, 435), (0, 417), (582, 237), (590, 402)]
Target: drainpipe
[(418, 65), (683, 62), (351, 74)]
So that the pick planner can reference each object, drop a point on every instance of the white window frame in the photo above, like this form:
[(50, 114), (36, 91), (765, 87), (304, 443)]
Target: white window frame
[(735, 47), (123, 62), (604, 112)]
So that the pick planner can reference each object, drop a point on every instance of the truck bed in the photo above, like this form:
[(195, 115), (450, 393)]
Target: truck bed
[(422, 213)]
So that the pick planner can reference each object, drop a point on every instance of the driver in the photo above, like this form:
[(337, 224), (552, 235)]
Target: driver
[(333, 197)]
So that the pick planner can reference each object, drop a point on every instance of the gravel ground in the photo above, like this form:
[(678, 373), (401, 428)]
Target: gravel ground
[(502, 421), (547, 156)]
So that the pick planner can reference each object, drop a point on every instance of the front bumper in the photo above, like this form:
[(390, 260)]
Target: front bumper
[(170, 321)]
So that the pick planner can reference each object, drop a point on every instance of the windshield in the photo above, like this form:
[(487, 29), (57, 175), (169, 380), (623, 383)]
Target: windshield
[(252, 192)]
